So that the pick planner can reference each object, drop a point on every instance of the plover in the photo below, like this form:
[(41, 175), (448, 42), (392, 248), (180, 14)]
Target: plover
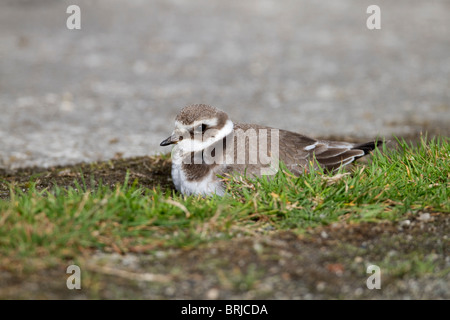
[(208, 145)]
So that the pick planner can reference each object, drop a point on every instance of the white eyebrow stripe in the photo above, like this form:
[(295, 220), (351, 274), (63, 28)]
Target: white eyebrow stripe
[(209, 122)]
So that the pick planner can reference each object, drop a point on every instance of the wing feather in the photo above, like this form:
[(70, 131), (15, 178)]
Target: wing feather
[(297, 150)]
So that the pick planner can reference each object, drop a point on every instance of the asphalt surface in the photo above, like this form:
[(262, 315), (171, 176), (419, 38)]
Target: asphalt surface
[(115, 86)]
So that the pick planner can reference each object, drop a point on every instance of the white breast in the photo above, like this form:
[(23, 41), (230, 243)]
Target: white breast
[(206, 186)]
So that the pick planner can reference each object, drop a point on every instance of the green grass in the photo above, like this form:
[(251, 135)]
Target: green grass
[(39, 229)]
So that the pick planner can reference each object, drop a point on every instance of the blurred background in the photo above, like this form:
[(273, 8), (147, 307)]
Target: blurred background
[(114, 87)]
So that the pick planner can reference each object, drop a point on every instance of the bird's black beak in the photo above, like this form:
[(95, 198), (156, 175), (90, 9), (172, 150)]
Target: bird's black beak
[(171, 140)]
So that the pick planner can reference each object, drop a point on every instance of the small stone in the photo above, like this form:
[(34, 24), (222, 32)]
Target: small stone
[(321, 286), (170, 291), (424, 217), (358, 292), (258, 247), (405, 223), (212, 294)]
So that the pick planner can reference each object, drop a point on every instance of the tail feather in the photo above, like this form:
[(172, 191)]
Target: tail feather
[(336, 155), (368, 146)]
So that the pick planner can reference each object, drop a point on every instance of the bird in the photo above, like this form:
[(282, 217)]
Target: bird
[(208, 145)]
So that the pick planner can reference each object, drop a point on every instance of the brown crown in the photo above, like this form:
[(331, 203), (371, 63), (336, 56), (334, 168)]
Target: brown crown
[(196, 112)]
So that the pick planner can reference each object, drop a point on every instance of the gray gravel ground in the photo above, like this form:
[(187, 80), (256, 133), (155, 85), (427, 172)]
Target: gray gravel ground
[(114, 86)]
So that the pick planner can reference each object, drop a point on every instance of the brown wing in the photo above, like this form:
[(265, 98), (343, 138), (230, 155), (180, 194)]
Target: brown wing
[(296, 151)]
